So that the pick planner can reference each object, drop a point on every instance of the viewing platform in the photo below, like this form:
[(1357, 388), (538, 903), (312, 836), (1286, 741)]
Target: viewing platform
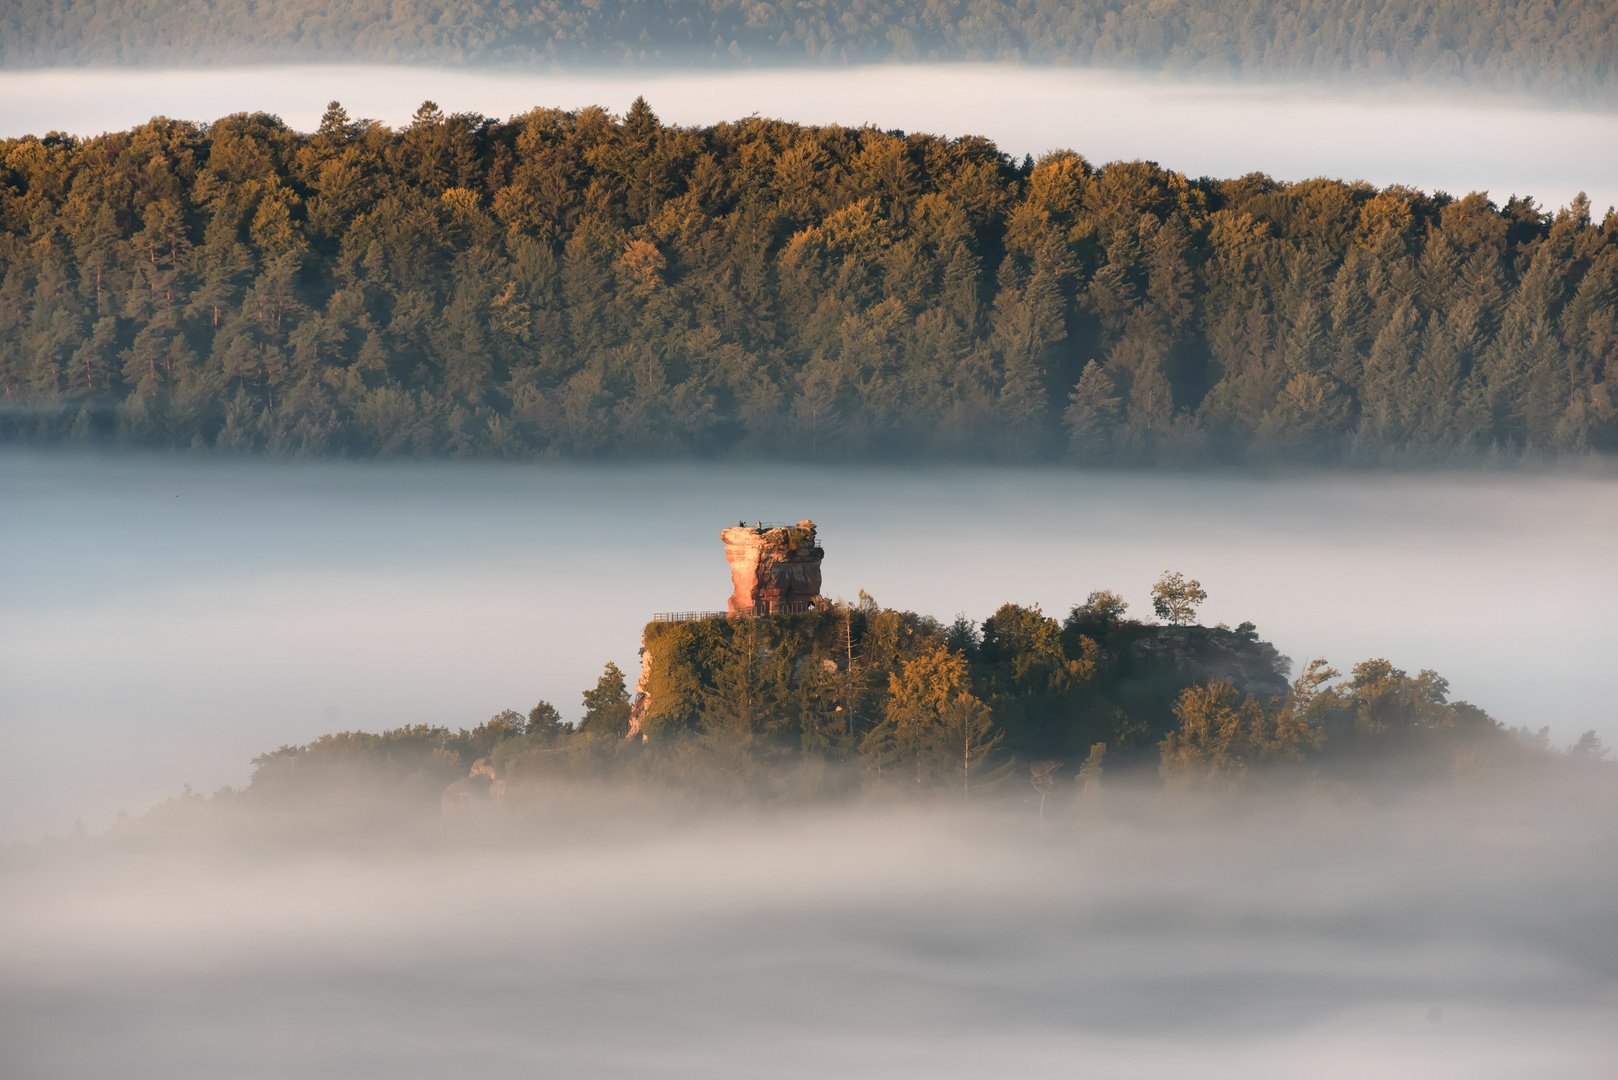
[(797, 607)]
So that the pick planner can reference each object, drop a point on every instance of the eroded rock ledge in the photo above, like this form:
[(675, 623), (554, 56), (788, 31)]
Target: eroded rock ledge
[(774, 570)]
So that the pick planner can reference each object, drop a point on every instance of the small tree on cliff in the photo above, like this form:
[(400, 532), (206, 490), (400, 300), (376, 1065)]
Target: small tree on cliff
[(606, 708), (546, 722), (1102, 606), (1176, 599)]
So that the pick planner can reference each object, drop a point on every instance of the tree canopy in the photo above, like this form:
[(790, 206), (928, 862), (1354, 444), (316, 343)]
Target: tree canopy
[(580, 285), (1176, 599), (848, 699)]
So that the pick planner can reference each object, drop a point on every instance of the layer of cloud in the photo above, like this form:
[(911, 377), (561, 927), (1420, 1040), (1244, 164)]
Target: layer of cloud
[(1454, 935), (162, 622)]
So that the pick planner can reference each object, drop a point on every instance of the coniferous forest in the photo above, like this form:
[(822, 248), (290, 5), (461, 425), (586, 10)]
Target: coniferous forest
[(1552, 49), (578, 285)]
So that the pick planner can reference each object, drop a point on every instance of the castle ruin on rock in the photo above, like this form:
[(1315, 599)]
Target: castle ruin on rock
[(774, 569)]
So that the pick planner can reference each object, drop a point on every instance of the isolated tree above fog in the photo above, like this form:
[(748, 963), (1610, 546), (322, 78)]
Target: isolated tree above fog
[(1176, 599)]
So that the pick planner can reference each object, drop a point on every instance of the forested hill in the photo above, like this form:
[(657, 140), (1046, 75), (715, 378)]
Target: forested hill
[(1546, 47), (575, 285)]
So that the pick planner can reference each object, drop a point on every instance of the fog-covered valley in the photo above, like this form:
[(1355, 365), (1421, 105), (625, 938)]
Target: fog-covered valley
[(309, 766), (1465, 932), (167, 619)]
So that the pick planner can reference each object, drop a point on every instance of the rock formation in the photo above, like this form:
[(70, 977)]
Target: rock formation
[(775, 570), (477, 793), (1205, 653)]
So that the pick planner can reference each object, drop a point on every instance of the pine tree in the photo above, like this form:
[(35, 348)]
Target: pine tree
[(1091, 416), (606, 708)]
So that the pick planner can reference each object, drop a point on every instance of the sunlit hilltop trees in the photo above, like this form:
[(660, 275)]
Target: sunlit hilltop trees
[(575, 285), (858, 699)]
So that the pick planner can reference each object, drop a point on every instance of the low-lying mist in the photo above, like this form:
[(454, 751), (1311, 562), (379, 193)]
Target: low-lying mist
[(164, 620), (1453, 931)]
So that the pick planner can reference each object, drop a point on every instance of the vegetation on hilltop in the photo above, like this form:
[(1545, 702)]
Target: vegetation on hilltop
[(582, 286), (853, 698), (1550, 48)]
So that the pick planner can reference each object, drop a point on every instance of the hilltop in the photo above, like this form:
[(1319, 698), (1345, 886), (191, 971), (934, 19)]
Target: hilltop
[(848, 700)]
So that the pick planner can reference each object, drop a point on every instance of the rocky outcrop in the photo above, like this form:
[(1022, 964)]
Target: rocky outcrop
[(1206, 653), (477, 793), (773, 569), (642, 702)]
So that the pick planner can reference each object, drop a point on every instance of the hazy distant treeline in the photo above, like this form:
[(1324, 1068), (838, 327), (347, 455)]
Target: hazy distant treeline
[(1540, 46), (576, 285)]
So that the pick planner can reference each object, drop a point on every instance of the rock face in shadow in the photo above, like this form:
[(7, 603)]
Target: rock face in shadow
[(774, 570), (476, 793), (1206, 653)]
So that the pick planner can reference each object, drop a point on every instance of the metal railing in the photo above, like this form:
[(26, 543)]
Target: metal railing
[(795, 607), (768, 525), (688, 616)]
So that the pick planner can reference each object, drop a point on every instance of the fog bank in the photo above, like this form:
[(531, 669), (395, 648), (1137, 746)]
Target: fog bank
[(163, 620), (1430, 140), (1453, 934)]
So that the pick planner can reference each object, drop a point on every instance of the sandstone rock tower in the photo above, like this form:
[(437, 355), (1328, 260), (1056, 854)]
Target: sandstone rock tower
[(775, 568)]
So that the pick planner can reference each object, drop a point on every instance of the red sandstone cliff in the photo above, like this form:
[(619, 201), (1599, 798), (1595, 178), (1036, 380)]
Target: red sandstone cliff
[(773, 570)]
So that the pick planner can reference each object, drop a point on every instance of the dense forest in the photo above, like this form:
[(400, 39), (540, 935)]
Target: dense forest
[(1544, 47), (857, 698), (573, 284)]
